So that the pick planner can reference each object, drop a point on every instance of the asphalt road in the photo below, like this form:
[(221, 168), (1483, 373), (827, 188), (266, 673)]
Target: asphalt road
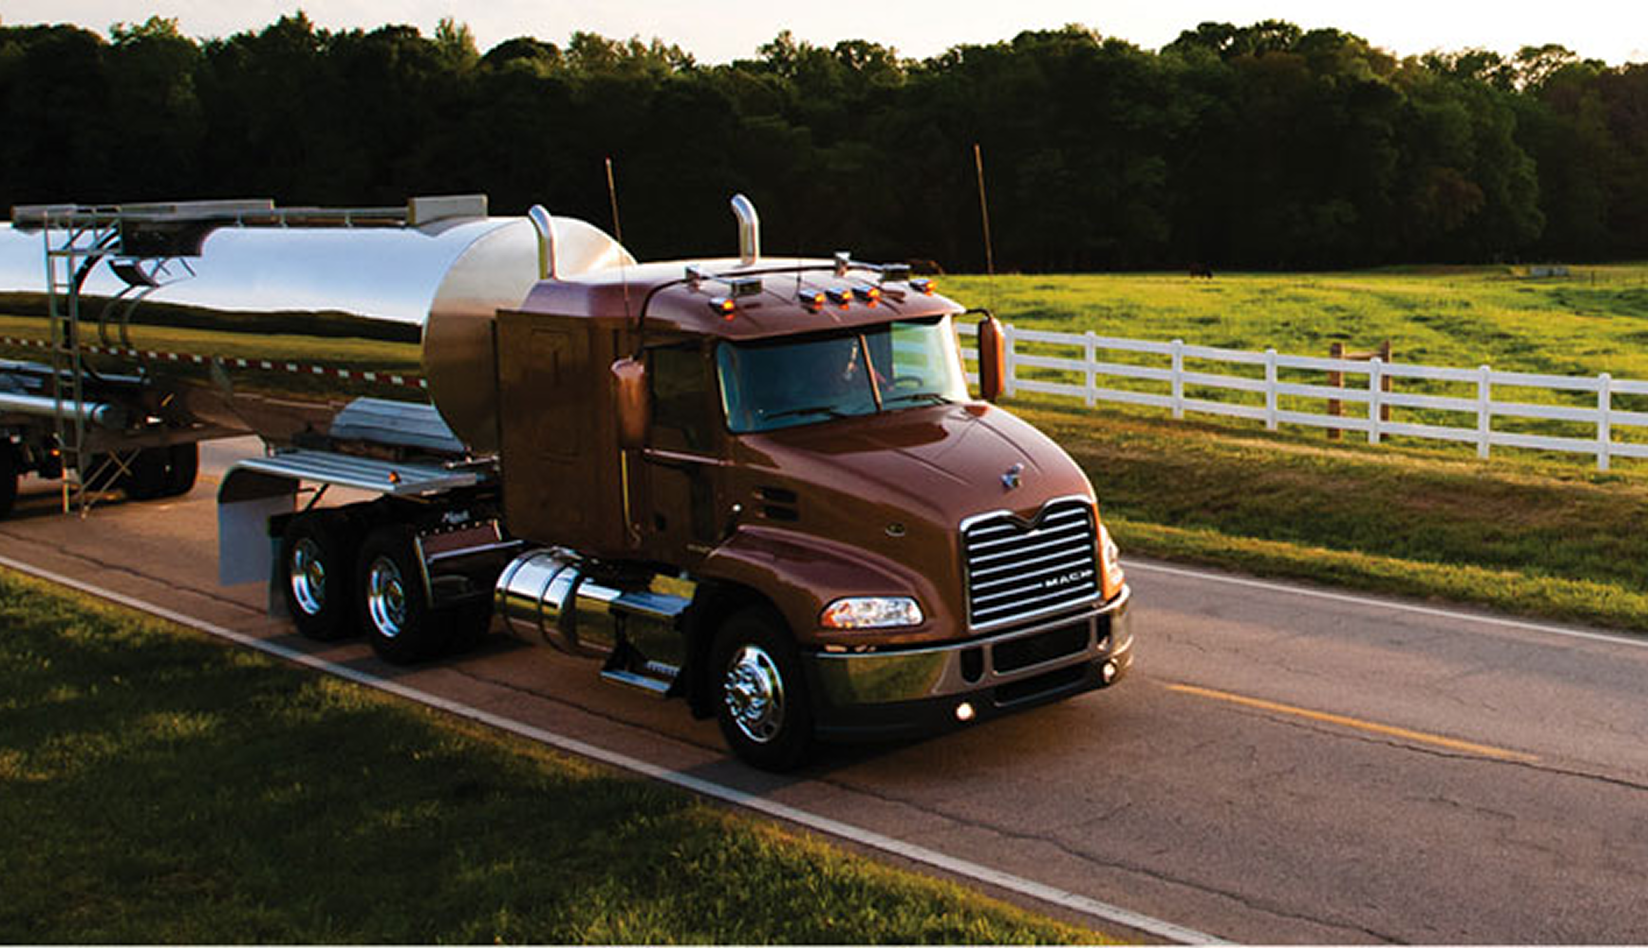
[(1285, 765)]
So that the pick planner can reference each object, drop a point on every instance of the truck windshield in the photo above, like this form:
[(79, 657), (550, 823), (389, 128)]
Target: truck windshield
[(781, 383)]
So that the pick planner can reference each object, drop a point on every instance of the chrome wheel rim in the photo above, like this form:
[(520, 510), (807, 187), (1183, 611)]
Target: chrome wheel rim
[(308, 573), (386, 597), (754, 693)]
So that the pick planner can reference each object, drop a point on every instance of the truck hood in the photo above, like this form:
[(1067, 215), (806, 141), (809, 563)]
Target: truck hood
[(940, 463)]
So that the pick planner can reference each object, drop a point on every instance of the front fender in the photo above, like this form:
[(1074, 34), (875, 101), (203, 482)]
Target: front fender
[(802, 574)]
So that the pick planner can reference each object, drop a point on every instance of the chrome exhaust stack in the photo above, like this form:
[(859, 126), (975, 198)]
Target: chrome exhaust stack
[(544, 227), (749, 230)]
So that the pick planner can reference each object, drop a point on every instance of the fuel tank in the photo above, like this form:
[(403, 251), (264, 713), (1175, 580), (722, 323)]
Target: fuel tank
[(277, 329)]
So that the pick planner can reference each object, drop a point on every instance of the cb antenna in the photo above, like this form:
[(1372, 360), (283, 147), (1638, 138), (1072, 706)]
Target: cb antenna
[(612, 195), (984, 213), (618, 234)]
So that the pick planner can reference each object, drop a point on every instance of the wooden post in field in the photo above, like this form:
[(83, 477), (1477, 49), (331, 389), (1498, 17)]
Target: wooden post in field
[(1336, 379)]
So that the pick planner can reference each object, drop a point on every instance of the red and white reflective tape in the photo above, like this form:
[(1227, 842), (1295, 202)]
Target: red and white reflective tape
[(291, 368)]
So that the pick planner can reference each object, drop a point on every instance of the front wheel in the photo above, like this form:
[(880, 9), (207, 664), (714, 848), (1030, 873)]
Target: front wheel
[(762, 703)]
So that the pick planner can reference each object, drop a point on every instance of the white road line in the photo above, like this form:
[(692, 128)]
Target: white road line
[(1432, 611), (822, 824)]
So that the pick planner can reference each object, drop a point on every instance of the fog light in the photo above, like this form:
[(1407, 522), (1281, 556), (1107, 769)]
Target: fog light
[(1109, 672), (964, 712)]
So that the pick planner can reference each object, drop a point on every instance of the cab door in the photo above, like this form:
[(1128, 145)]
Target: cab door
[(684, 457)]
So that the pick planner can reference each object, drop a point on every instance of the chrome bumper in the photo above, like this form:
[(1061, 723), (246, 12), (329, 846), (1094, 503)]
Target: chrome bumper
[(1002, 670)]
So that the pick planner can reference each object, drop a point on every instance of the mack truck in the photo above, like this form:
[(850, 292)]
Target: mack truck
[(758, 485)]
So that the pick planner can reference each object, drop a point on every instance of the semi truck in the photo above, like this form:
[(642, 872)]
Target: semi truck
[(758, 485)]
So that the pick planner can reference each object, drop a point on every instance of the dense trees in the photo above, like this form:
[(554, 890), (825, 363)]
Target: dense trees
[(1263, 146)]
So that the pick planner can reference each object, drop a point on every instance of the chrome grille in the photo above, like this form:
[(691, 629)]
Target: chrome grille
[(1016, 570)]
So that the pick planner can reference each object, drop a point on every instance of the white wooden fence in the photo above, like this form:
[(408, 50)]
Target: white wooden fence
[(1277, 401)]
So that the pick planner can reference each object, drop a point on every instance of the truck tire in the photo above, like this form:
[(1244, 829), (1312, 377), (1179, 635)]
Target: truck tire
[(316, 563), (183, 469), (11, 470), (392, 601), (168, 471), (148, 474), (761, 700)]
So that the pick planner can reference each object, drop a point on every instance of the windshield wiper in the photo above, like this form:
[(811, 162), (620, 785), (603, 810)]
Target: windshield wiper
[(934, 398), (830, 410)]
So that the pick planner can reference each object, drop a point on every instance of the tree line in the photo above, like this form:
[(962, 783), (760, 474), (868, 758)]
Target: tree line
[(1264, 146)]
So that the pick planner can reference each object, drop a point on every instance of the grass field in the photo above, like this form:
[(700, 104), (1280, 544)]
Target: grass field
[(1593, 321), (158, 787), (1529, 532)]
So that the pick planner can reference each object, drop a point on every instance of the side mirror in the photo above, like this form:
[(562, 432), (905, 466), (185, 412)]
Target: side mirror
[(631, 403), (992, 358)]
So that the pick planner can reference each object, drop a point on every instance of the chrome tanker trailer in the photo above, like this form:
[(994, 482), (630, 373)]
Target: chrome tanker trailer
[(758, 485)]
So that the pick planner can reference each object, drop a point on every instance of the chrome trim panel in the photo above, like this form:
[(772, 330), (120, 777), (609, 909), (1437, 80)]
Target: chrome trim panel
[(1001, 574), (860, 678)]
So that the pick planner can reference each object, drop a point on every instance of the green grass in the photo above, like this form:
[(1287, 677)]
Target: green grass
[(1537, 533), (1594, 321), (157, 786)]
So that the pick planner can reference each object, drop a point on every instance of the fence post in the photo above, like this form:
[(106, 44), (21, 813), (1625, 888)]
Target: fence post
[(1605, 431), (1484, 410), (1091, 346), (1375, 370), (1178, 378), (1336, 379), (1270, 389), (1010, 366)]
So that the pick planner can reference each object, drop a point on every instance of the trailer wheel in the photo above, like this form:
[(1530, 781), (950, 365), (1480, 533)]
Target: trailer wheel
[(315, 566), (10, 472), (148, 474), (392, 601), (182, 469), (762, 703)]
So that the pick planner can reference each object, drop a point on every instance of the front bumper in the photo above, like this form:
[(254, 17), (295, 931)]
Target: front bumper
[(904, 692)]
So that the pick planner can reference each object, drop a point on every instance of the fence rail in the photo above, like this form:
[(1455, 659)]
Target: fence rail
[(1083, 366)]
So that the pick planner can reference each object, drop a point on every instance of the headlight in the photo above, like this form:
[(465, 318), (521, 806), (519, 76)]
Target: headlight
[(1111, 558), (871, 612)]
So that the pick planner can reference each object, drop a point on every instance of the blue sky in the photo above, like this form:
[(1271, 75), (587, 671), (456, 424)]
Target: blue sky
[(721, 30)]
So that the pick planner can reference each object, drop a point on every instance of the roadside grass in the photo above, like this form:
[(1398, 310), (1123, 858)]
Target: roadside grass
[(1525, 535), (157, 786)]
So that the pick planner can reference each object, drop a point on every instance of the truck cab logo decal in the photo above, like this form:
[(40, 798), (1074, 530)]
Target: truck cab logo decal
[(1013, 477), (1058, 582)]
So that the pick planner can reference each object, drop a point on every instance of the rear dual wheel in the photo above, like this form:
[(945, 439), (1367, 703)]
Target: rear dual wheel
[(393, 600), (316, 562)]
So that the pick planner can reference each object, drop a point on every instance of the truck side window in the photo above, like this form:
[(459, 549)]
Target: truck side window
[(681, 417)]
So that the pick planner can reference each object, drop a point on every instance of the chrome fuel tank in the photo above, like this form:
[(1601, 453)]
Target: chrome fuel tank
[(275, 329)]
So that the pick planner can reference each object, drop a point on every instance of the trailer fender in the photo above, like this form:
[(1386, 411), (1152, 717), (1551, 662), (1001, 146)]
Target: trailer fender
[(246, 500)]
